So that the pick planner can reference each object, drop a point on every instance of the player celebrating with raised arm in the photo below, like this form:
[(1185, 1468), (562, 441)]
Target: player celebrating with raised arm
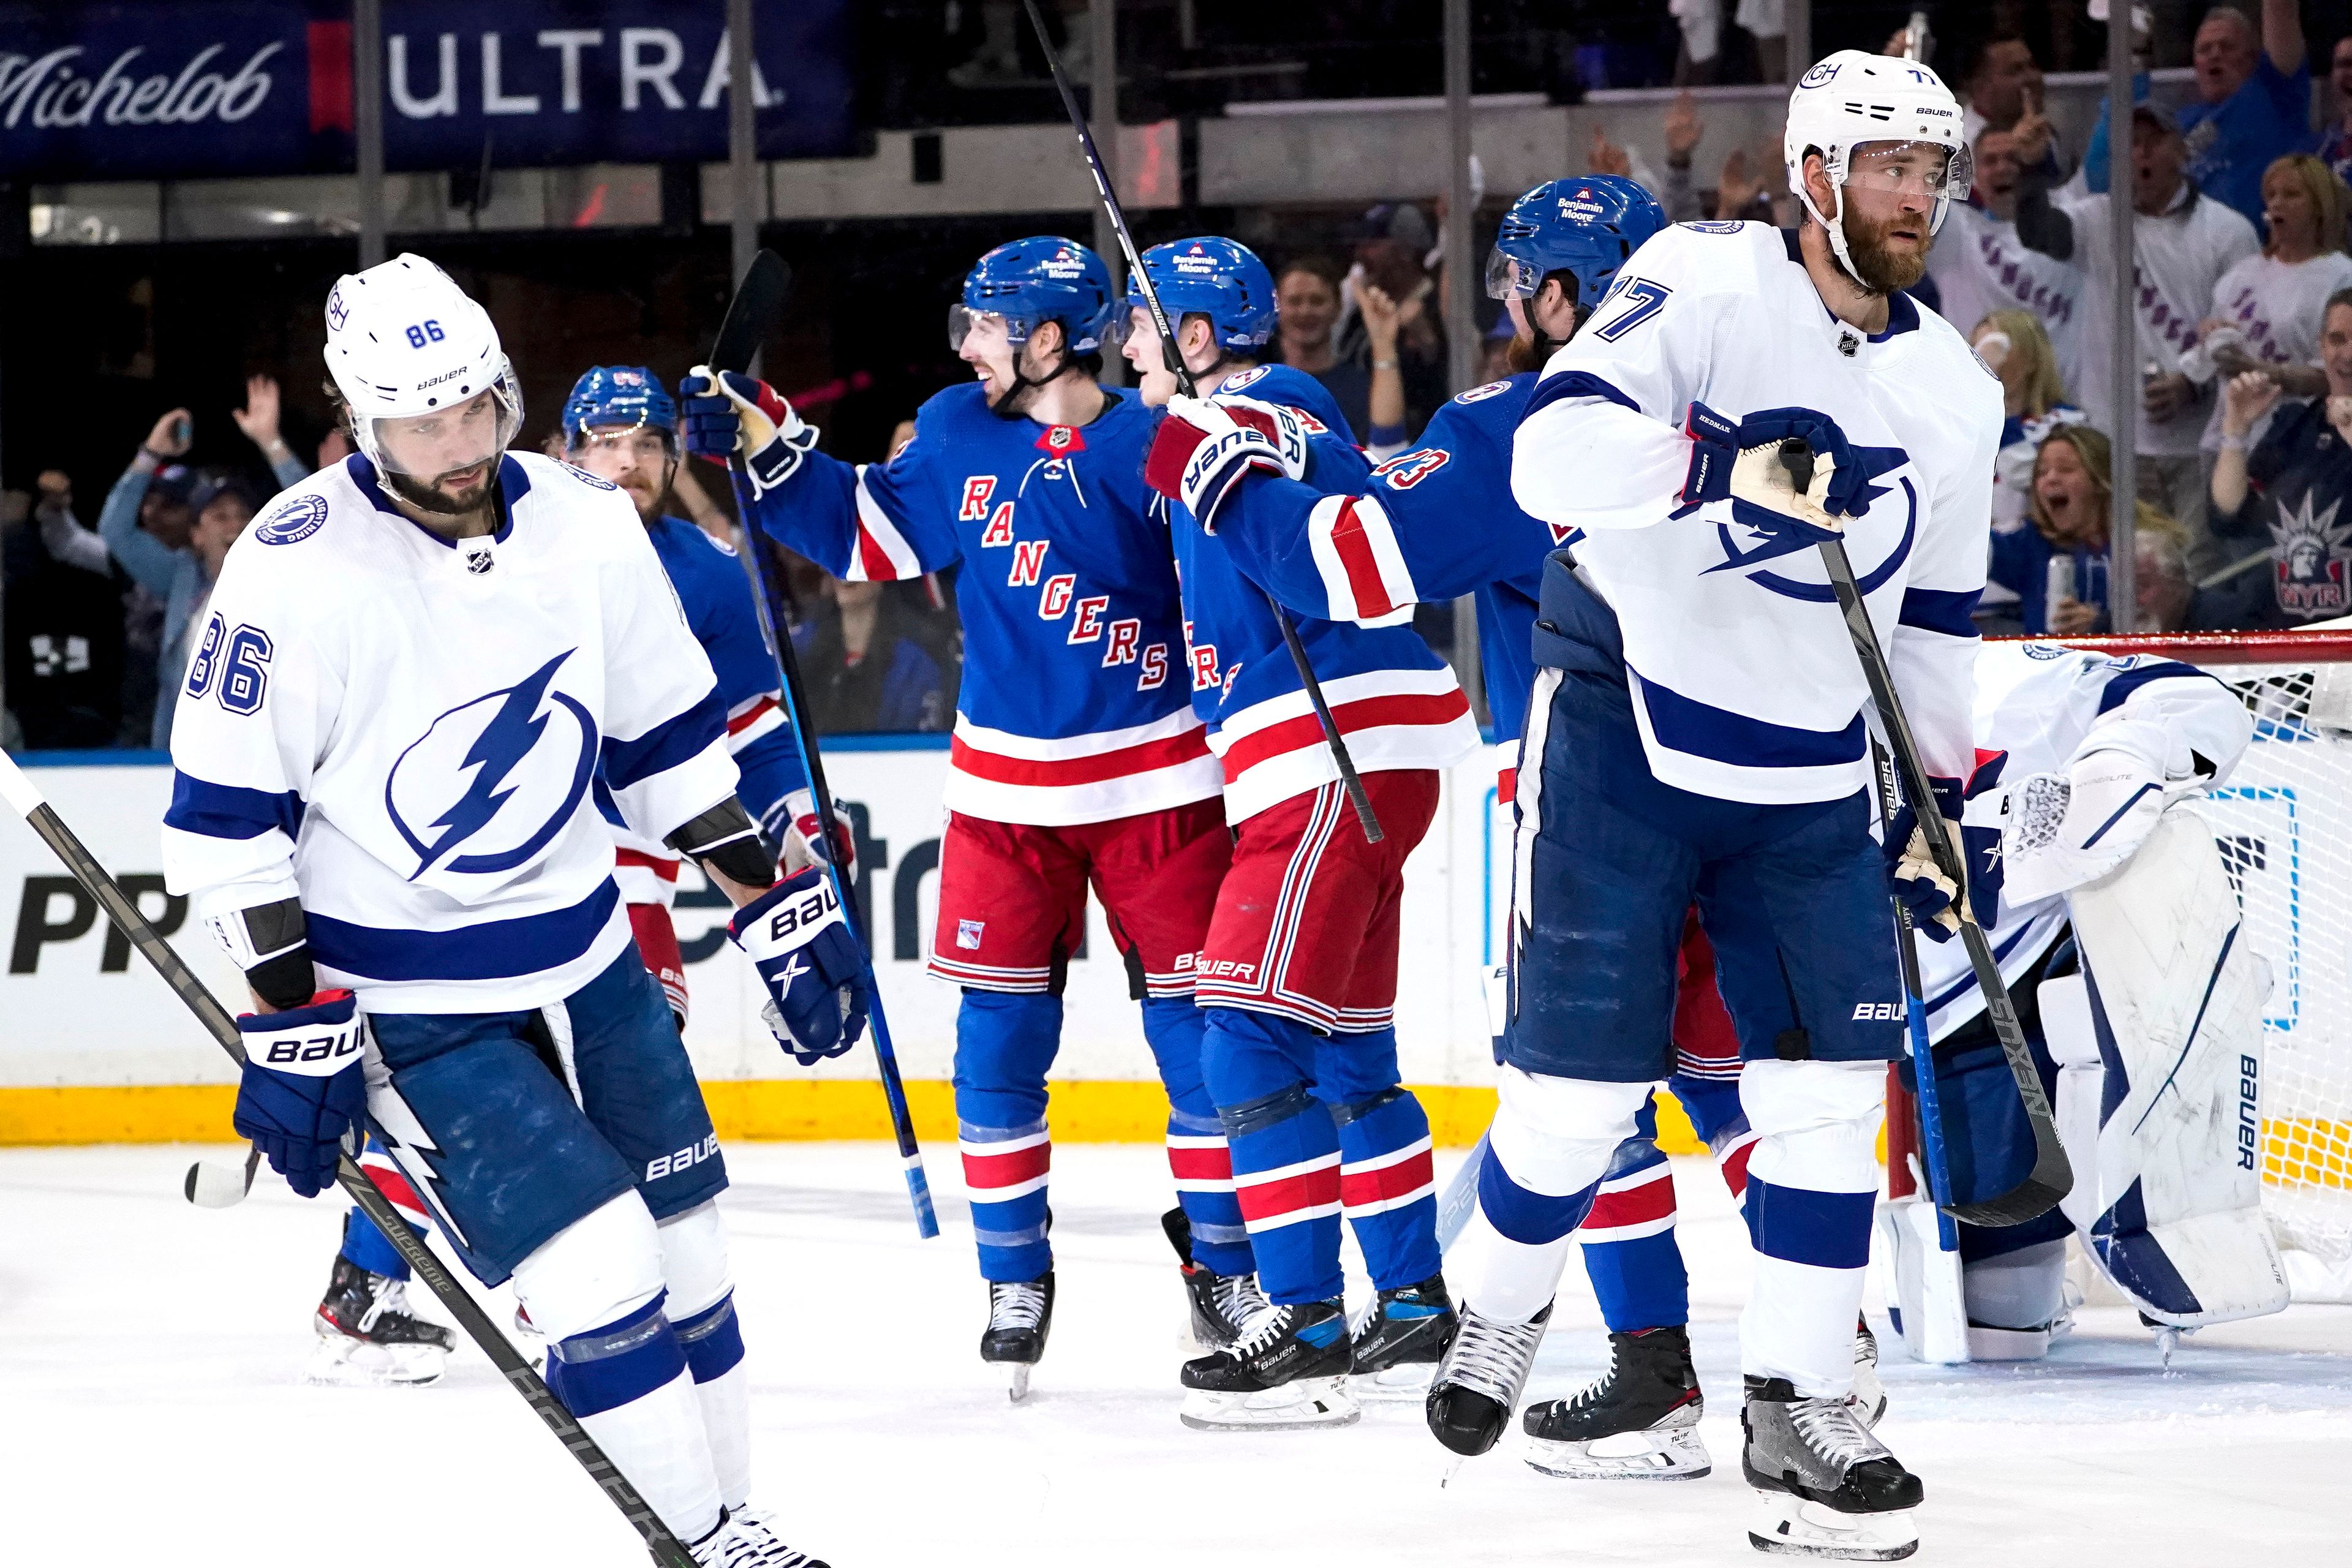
[(1297, 978), (1076, 758), (1698, 731), (415, 668)]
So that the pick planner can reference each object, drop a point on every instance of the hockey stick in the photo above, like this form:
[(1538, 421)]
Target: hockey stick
[(211, 1186), (2052, 1177), (666, 1549), (1934, 1172), (759, 299), (1337, 744)]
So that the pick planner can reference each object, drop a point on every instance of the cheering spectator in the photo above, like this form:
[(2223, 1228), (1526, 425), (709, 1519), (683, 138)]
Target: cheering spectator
[(1307, 299), (2034, 403), (2267, 309), (2183, 242), (259, 421), (63, 620), (2164, 588), (1980, 265), (1998, 81), (868, 670), (2336, 146), (2072, 489), (2293, 484), (1385, 431), (2253, 108), (150, 498)]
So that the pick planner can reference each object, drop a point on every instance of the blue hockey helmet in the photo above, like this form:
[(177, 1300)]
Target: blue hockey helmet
[(1042, 279), (1586, 225), (618, 395), (1220, 279)]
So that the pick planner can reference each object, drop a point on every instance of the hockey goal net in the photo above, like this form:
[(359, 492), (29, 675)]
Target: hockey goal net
[(2284, 823)]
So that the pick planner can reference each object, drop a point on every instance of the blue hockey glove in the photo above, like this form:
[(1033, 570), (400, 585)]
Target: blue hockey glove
[(796, 939), (728, 415), (1740, 461), (302, 1090), (1919, 883), (1208, 445)]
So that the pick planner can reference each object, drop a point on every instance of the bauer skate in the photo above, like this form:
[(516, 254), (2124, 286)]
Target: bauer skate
[(368, 1338), (1221, 1305), (1287, 1371), (745, 1540), (1824, 1486), (1637, 1421), (1395, 1347), (1479, 1383), (1020, 1316)]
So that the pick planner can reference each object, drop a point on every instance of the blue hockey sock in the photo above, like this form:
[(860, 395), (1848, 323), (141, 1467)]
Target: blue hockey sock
[(616, 1364), (712, 1340), (1004, 1042), (1285, 1150), (1387, 1188), (1198, 1157)]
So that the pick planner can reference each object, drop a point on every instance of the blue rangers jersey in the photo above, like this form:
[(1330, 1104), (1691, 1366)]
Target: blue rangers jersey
[(1745, 684), (402, 731), (2047, 705), (1429, 525), (1396, 701), (1072, 706), (716, 599)]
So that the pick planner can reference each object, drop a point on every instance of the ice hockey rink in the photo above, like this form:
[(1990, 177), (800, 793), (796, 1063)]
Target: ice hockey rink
[(152, 1356)]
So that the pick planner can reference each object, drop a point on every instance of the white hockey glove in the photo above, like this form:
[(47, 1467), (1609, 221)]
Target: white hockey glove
[(732, 416), (1206, 446), (803, 841), (2059, 831)]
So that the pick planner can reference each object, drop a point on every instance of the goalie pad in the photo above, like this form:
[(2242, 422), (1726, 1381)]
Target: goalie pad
[(2159, 1044)]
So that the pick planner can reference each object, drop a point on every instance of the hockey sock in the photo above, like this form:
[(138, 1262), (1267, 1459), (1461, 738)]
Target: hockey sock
[(1712, 1103), (1285, 1150), (1550, 1143), (701, 1312), (363, 1243), (1628, 1238), (1812, 1187), (1388, 1188), (1004, 1042), (1197, 1156)]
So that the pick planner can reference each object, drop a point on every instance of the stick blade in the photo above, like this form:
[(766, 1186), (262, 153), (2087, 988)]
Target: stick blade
[(758, 301), (211, 1186), (2052, 1178)]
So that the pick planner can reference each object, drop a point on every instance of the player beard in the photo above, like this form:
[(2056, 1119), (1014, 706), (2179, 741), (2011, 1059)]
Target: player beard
[(430, 496), (1881, 269)]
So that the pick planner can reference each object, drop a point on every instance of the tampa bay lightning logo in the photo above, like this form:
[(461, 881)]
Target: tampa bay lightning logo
[(585, 478), (1770, 545), (294, 522), (500, 775)]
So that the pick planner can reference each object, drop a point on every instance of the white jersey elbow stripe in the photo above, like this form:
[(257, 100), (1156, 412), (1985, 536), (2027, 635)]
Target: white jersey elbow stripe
[(1364, 573)]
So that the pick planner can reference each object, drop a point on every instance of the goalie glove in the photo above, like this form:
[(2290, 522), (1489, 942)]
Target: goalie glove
[(2059, 831), (1740, 461), (803, 841), (301, 1090), (1206, 446), (729, 416), (795, 937)]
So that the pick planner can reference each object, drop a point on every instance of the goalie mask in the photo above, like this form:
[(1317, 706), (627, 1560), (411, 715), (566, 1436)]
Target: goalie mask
[(1853, 101), (430, 393)]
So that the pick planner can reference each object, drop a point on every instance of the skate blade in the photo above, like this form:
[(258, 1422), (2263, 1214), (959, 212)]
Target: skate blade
[(1667, 1454), (1407, 1383), (1310, 1401), (351, 1363), (1786, 1524), (1017, 1381)]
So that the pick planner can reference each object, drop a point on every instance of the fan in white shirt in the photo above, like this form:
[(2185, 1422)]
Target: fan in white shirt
[(2267, 309)]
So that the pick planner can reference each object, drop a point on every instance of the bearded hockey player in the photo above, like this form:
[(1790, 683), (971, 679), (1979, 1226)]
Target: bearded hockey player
[(621, 426), (415, 668), (2120, 936), (1297, 977), (1698, 731), (1076, 759)]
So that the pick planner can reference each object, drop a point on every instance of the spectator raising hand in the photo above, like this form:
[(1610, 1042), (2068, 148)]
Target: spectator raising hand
[(2288, 490), (258, 420), (1605, 157), (1385, 433), (171, 437)]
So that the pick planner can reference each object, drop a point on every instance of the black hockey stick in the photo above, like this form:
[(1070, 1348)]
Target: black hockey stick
[(1348, 780), (2052, 1176), (758, 301), (666, 1549)]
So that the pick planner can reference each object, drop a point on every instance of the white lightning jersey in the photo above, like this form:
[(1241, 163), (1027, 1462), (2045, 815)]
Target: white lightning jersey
[(1745, 683), (403, 732), (2045, 705)]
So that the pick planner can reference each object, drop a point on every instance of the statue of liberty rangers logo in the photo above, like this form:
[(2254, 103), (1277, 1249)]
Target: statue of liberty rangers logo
[(2311, 565)]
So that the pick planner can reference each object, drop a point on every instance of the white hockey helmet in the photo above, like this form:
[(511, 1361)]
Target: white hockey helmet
[(1852, 98), (404, 341)]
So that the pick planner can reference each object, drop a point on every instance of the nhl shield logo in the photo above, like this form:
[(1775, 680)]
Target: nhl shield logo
[(1061, 440), (2311, 567)]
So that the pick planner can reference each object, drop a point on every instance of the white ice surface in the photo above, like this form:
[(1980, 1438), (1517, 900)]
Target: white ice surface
[(151, 1408)]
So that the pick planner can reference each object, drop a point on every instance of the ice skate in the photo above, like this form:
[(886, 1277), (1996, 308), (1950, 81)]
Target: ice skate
[(1868, 1399), (1396, 1345), (367, 1337), (1287, 1371), (1824, 1486), (1478, 1383), (1637, 1421), (744, 1539), (1221, 1305), (1020, 1316)]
